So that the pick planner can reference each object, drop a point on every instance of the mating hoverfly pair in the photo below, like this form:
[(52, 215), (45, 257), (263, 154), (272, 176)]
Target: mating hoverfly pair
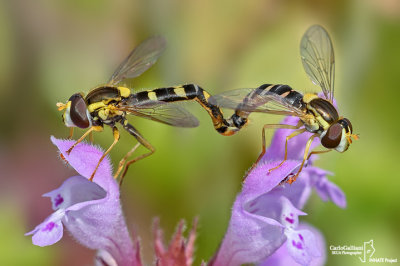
[(109, 104)]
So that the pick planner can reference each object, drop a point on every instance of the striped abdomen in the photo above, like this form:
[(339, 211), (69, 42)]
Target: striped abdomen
[(286, 94), (186, 93)]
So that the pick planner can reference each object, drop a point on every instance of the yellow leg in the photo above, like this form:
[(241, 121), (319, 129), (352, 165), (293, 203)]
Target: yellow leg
[(308, 145), (123, 160), (294, 134), (270, 126), (71, 132), (275, 126), (317, 152), (80, 140), (116, 138), (128, 127), (94, 128), (148, 146), (91, 137)]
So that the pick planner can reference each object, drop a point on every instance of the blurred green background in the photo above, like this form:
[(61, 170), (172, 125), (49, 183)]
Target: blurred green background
[(52, 49)]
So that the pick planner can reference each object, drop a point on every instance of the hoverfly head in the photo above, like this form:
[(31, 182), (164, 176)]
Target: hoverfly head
[(76, 113), (338, 135)]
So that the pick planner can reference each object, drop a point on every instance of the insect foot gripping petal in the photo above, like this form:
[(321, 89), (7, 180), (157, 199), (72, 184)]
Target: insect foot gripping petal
[(116, 138)]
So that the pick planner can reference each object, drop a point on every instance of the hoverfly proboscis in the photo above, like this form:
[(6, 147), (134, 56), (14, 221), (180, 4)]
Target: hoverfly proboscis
[(109, 105), (317, 114)]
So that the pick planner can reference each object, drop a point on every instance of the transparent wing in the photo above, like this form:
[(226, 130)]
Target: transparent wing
[(167, 113), (139, 60), (252, 100), (318, 59)]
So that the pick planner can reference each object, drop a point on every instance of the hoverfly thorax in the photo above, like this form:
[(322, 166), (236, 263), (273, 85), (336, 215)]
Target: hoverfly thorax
[(76, 113), (325, 109)]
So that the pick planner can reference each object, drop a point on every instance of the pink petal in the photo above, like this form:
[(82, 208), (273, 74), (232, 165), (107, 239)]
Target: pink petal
[(282, 257), (84, 158), (48, 232)]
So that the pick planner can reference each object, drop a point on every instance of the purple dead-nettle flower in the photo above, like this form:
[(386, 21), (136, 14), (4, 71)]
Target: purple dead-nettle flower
[(90, 211), (264, 227)]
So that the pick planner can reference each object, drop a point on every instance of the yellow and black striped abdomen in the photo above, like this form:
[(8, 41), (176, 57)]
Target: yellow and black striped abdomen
[(188, 92), (170, 94), (284, 96), (289, 95)]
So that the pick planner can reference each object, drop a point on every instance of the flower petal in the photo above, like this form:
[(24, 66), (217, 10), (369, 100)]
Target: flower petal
[(84, 158), (302, 245), (104, 258), (325, 188), (290, 214), (48, 232), (75, 191), (328, 190), (259, 181), (297, 193), (282, 257)]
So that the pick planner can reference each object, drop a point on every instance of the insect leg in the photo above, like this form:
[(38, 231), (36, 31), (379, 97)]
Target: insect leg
[(71, 132), (270, 126), (123, 160), (308, 145), (128, 127), (116, 138), (274, 126), (317, 152), (294, 134), (93, 128), (91, 137)]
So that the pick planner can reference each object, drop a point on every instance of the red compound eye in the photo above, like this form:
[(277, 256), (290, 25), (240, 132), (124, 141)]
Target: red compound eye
[(333, 136), (78, 111)]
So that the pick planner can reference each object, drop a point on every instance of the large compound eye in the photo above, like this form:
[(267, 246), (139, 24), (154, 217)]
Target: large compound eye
[(78, 111), (333, 136)]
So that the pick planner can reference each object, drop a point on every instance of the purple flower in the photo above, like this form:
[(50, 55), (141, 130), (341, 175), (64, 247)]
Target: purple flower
[(264, 227), (90, 211)]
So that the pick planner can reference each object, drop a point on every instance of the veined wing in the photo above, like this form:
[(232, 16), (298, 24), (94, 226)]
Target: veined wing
[(318, 59), (139, 60), (256, 100), (167, 113)]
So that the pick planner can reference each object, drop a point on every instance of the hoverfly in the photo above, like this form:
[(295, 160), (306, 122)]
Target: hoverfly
[(109, 104), (317, 115)]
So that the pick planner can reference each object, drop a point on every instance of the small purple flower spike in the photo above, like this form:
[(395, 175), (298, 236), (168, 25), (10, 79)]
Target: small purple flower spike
[(91, 211), (265, 214)]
